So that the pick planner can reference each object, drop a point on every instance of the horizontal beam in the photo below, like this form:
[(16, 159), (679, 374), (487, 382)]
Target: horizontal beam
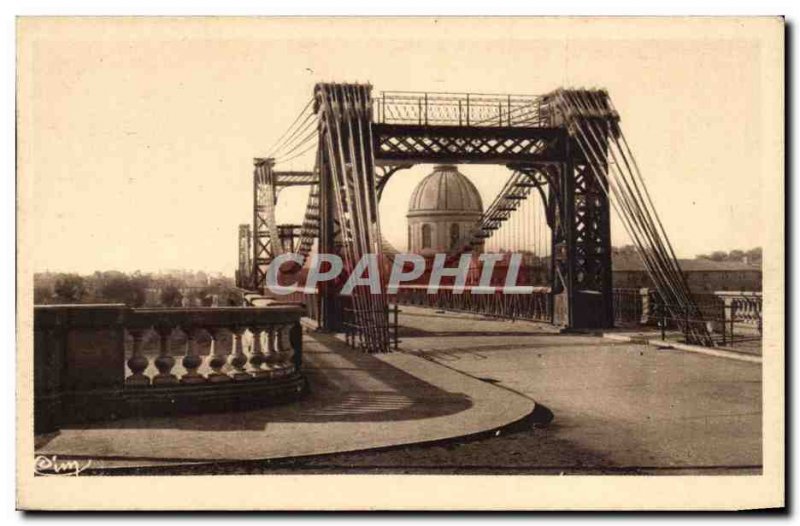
[(463, 158), (294, 178), (395, 143)]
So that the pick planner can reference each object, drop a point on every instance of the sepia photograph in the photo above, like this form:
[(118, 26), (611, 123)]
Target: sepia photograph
[(489, 263)]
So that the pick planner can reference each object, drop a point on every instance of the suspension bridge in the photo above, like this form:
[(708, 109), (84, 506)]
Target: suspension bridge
[(569, 165)]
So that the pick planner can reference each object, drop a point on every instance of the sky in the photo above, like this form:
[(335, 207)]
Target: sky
[(136, 137)]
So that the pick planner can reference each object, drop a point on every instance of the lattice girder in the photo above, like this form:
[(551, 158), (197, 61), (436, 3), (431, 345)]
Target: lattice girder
[(395, 143)]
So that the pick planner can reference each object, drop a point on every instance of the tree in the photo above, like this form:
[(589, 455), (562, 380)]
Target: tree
[(69, 288), (735, 255), (754, 256), (139, 284), (195, 297), (41, 294), (119, 288), (171, 295)]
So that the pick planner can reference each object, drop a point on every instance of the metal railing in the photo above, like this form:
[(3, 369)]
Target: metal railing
[(461, 109), (630, 306), (536, 306), (732, 318)]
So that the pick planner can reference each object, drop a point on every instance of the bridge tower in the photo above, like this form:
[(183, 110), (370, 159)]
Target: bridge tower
[(581, 251), (265, 229)]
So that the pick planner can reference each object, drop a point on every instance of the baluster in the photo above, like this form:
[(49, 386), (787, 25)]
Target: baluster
[(757, 312), (164, 362), (272, 359), (644, 295), (257, 356), (138, 361), (238, 359), (217, 358), (192, 360), (285, 350), (727, 320)]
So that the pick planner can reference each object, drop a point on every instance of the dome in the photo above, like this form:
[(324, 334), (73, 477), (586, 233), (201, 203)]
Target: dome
[(444, 191), (443, 211)]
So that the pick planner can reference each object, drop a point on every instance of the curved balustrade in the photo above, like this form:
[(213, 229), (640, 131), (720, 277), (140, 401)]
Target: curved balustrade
[(260, 337), (96, 362)]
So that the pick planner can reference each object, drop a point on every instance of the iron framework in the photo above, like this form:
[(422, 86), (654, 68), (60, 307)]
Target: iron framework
[(365, 140)]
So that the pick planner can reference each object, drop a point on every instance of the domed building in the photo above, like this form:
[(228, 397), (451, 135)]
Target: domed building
[(442, 211)]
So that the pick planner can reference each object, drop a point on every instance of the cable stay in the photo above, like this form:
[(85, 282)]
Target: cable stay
[(345, 112), (287, 135), (508, 200), (594, 125)]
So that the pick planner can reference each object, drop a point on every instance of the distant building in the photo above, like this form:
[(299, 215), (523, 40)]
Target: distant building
[(702, 275), (442, 211)]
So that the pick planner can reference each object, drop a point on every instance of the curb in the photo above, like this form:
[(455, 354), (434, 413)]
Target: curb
[(719, 353), (539, 415)]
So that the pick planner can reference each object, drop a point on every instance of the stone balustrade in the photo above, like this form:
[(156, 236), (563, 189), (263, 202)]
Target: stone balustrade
[(265, 330), (744, 307), (95, 362), (731, 316)]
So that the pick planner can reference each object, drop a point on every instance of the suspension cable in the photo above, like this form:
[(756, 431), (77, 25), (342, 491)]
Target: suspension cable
[(274, 148)]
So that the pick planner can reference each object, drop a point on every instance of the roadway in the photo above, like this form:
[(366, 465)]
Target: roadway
[(618, 407)]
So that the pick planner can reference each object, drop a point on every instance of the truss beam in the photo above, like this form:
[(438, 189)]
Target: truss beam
[(404, 143)]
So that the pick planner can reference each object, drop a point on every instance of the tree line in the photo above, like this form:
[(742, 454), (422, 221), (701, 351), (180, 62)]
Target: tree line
[(135, 289), (752, 256)]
